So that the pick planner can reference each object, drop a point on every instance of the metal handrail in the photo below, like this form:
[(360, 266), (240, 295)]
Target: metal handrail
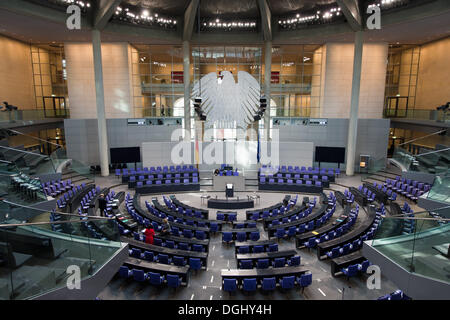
[(429, 135), (58, 212), (23, 151), (50, 222)]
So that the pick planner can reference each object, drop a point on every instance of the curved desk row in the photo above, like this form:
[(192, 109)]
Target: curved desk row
[(259, 274), (302, 188), (203, 256), (300, 239), (323, 248), (249, 213), (230, 204), (166, 188), (143, 213), (178, 203), (175, 214)]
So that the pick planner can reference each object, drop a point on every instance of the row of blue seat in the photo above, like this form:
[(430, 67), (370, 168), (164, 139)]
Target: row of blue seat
[(154, 278), (187, 233), (194, 263), (273, 247), (267, 284), (297, 169), (292, 231), (355, 244), (354, 269), (316, 183), (396, 295), (265, 263), (213, 226), (312, 242), (240, 236), (172, 244), (294, 217)]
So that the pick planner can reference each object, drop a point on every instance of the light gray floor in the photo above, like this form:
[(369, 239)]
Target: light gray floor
[(206, 285)]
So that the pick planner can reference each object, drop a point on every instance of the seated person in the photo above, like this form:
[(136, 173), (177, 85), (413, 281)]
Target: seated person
[(165, 227), (216, 172)]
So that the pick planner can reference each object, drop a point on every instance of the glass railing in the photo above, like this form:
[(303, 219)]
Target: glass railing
[(30, 115), (37, 258), (417, 114), (440, 191), (419, 243), (429, 153), (403, 157), (34, 163)]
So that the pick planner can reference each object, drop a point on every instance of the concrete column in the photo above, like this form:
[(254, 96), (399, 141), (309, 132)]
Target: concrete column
[(100, 101), (267, 84), (187, 87), (354, 106)]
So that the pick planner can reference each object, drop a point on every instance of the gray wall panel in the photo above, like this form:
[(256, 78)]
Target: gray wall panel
[(82, 137)]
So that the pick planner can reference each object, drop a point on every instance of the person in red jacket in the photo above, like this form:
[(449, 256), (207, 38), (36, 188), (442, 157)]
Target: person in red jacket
[(149, 233)]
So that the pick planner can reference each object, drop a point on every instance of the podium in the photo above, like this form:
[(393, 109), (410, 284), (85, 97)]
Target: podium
[(229, 190)]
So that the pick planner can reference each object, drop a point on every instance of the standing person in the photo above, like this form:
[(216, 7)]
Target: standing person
[(165, 227), (102, 204), (149, 233)]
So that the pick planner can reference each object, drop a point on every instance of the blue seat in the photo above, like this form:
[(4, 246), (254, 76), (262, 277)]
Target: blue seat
[(155, 278), (287, 282), (229, 285), (139, 275), (294, 261), (200, 234), (254, 235), (179, 261), (351, 271), (397, 295), (170, 244), (148, 255), (197, 247), (163, 258), (262, 264), (244, 249), (273, 247), (246, 264), (220, 216), (292, 231), (268, 284), (363, 266), (183, 246), (304, 280), (213, 227), (311, 243), (124, 272), (173, 281), (241, 236), (258, 249), (279, 262), (187, 233), (195, 263), (280, 233), (135, 253), (227, 236), (249, 284)]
